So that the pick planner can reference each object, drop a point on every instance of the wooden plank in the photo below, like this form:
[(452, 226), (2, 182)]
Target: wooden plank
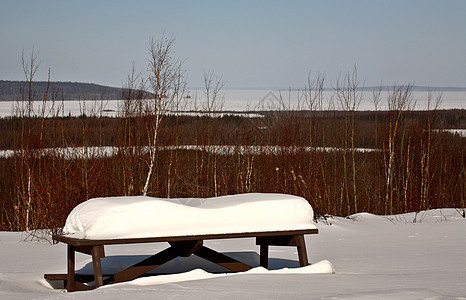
[(88, 250), (144, 266), (286, 240), (78, 284), (56, 276), (186, 248), (222, 260), (89, 242)]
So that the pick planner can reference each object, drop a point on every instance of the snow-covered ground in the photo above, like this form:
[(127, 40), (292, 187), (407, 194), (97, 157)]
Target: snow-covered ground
[(374, 257), (460, 132), (97, 151)]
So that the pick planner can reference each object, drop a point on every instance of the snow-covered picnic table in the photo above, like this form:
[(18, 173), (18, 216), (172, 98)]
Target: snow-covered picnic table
[(273, 219)]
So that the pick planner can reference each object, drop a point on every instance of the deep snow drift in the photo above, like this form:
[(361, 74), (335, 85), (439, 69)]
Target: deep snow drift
[(139, 216), (374, 257)]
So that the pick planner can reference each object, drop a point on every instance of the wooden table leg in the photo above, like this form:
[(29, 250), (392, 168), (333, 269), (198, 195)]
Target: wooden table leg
[(302, 253), (70, 282), (97, 253), (286, 240), (264, 256)]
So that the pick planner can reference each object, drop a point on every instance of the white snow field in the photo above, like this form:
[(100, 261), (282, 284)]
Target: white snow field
[(410, 256), (243, 100)]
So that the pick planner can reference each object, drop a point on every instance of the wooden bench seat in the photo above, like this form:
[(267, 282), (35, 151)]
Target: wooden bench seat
[(180, 246)]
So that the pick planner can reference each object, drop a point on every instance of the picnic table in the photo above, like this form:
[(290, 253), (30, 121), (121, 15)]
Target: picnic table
[(80, 234)]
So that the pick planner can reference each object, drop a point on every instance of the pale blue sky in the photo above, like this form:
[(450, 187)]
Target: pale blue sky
[(253, 44)]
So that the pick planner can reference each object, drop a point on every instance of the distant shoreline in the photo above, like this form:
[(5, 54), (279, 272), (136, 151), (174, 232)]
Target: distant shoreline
[(10, 90)]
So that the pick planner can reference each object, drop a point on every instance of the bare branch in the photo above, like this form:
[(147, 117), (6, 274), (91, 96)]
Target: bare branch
[(214, 99)]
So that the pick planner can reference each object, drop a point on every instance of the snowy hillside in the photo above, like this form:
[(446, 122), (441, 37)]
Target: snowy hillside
[(373, 257)]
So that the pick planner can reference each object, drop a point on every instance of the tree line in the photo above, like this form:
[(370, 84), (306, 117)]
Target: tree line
[(11, 90), (312, 149)]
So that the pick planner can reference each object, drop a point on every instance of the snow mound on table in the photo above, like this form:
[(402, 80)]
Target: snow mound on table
[(140, 216)]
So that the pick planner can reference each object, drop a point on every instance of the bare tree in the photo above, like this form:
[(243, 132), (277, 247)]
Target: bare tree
[(349, 93), (313, 101), (399, 100), (212, 103), (131, 129), (166, 81), (25, 109), (214, 99), (32, 113), (434, 101), (376, 99)]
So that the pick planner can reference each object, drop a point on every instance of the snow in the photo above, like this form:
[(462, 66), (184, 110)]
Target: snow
[(460, 132), (140, 216), (409, 256), (104, 151), (239, 100)]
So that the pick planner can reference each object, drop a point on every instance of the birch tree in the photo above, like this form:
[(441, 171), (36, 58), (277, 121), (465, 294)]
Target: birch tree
[(349, 93), (400, 99), (166, 82)]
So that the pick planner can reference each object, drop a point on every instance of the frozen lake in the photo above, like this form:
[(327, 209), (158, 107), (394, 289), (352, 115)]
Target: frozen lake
[(252, 100)]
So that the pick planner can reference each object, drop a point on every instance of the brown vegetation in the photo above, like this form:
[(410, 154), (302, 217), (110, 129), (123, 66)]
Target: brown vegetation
[(310, 151), (41, 184)]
